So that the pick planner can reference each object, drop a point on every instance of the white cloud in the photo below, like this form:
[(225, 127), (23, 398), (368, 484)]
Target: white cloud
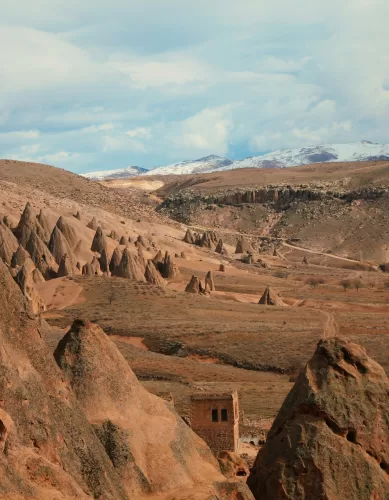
[(93, 129), (122, 143), (140, 132)]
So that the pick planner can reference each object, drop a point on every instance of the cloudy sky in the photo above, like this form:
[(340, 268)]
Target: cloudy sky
[(107, 84)]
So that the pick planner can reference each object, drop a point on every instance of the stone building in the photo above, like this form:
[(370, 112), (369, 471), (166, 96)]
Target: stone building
[(215, 418)]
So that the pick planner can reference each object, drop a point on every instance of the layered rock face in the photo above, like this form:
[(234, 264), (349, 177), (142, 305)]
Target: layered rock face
[(8, 243), (129, 267), (48, 447), (330, 439), (148, 443)]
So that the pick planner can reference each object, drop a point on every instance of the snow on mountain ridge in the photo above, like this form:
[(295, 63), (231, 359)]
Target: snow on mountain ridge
[(120, 173), (209, 163)]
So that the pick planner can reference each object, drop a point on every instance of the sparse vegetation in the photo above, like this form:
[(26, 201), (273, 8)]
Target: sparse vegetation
[(314, 282), (345, 284)]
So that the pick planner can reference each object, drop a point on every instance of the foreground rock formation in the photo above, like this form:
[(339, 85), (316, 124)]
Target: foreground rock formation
[(330, 439), (117, 442), (149, 445)]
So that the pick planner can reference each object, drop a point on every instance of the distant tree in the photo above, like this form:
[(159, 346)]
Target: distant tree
[(346, 284), (314, 282), (358, 284), (386, 284)]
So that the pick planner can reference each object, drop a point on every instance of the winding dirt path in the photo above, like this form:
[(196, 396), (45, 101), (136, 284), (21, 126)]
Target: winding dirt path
[(330, 326)]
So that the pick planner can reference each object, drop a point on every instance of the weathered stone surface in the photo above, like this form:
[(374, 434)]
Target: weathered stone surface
[(93, 224), (189, 237), (99, 242), (220, 248), (152, 275), (169, 268), (19, 257), (243, 246), (28, 222), (48, 448), (232, 465), (148, 443), (8, 243), (123, 241), (194, 286), (65, 267), (26, 283), (41, 256), (209, 284), (270, 298), (330, 439), (104, 261), (130, 267), (116, 258), (68, 231), (58, 246)]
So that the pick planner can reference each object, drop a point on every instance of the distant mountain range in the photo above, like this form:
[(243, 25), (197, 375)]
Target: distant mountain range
[(359, 151), (120, 173)]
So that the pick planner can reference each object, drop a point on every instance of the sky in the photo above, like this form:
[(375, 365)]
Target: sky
[(107, 84)]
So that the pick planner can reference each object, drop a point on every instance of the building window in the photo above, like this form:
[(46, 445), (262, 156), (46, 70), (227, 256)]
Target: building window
[(215, 416), (224, 415)]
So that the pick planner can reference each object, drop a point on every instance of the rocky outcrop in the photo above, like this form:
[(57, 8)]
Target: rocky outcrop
[(194, 286), (148, 443), (270, 298), (209, 284), (208, 240), (41, 256), (152, 275), (88, 270), (99, 242), (243, 246), (8, 243), (28, 223), (96, 265), (141, 257), (123, 241), (232, 465), (158, 259), (330, 439), (168, 267), (19, 257), (116, 258), (104, 261), (114, 235), (141, 241), (222, 268), (130, 267), (78, 215), (220, 248), (58, 245), (189, 237), (65, 267), (93, 224), (68, 231), (48, 448), (24, 279), (44, 222)]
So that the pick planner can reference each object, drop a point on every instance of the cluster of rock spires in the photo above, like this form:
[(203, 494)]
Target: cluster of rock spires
[(80, 425), (196, 286), (208, 239), (35, 252)]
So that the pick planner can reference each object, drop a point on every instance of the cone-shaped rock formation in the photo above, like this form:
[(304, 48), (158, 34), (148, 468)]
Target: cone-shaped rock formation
[(44, 222), (65, 267), (68, 231), (152, 274), (194, 285), (104, 261), (49, 449), (189, 237), (116, 258), (41, 256), (99, 242), (330, 439), (8, 243), (243, 246), (93, 224), (209, 284), (25, 281), (136, 427), (270, 298), (130, 267), (123, 241), (58, 245), (169, 268)]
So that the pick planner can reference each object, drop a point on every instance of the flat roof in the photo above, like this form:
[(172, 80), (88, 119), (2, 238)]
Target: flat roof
[(223, 395)]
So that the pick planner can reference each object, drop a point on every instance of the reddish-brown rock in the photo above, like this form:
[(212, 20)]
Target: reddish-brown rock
[(41, 256), (68, 231), (93, 224), (243, 246), (65, 267), (330, 439), (130, 267), (59, 246), (270, 298), (150, 446), (99, 242), (8, 243), (189, 237), (209, 284), (19, 257), (116, 258), (194, 285), (152, 275)]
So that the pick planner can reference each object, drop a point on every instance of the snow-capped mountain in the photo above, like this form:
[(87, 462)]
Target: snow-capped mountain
[(209, 163), (359, 151), (120, 173)]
